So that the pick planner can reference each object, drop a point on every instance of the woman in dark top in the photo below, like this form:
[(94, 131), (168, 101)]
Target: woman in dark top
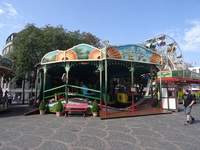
[(188, 101)]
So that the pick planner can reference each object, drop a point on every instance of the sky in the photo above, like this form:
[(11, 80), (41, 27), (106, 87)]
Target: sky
[(118, 21)]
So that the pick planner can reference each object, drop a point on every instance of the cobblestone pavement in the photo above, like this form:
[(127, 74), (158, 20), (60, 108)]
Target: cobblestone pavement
[(48, 132)]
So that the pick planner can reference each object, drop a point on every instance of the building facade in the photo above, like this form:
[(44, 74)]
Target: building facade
[(23, 88), (195, 69)]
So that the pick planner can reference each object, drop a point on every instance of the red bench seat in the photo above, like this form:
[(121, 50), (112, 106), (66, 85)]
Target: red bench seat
[(76, 107)]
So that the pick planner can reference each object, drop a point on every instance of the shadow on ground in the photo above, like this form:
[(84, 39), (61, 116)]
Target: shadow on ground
[(14, 110)]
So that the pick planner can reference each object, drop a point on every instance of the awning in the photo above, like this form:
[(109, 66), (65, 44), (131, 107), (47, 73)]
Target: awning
[(171, 79)]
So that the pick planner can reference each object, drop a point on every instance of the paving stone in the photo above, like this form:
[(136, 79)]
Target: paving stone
[(118, 128), (94, 131), (137, 124), (54, 125), (192, 131), (13, 125), (64, 136), (154, 122), (187, 146), (70, 127), (78, 121), (175, 137), (52, 145), (47, 118), (114, 135), (80, 148), (151, 149), (26, 128), (9, 136), (8, 148), (162, 129), (3, 122), (27, 141), (38, 122), (44, 132), (96, 124), (146, 132), (119, 145), (116, 122), (2, 130), (156, 143), (90, 142)]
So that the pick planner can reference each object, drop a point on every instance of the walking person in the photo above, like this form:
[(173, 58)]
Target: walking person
[(188, 101), (6, 97), (14, 98), (19, 99), (9, 98), (195, 98)]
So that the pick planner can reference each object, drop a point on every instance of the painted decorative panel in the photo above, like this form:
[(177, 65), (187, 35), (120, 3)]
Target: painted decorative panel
[(50, 57), (84, 51), (133, 52)]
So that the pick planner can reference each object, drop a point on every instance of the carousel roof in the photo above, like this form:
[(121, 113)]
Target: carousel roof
[(6, 65), (84, 52)]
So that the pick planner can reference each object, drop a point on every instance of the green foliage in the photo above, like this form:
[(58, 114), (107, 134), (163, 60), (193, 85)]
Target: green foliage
[(95, 106), (59, 107), (42, 105), (158, 104), (32, 43)]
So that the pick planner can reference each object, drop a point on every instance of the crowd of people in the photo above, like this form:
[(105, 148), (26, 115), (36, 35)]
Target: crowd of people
[(8, 98)]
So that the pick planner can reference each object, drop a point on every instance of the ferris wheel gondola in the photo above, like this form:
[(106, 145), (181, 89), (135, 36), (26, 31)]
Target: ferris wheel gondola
[(170, 51)]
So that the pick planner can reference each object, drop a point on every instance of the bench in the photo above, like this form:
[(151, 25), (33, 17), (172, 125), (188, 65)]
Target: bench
[(76, 107)]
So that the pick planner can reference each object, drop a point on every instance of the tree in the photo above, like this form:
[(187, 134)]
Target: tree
[(32, 43)]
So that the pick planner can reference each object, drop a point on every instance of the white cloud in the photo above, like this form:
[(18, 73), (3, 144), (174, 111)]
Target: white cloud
[(190, 40), (1, 11), (12, 12)]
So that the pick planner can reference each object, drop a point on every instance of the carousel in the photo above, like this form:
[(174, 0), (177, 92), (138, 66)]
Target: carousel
[(121, 78), (6, 68)]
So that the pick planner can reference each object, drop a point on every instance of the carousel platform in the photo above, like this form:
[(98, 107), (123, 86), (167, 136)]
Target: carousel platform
[(129, 113)]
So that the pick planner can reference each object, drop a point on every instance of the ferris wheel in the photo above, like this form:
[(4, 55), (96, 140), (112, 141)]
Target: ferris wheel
[(170, 51)]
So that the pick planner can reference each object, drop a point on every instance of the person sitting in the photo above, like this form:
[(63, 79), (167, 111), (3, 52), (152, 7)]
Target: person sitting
[(64, 78), (85, 91)]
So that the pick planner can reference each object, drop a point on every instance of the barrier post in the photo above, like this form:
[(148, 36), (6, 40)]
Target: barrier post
[(133, 105)]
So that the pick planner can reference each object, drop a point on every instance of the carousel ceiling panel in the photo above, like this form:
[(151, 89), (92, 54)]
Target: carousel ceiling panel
[(55, 70)]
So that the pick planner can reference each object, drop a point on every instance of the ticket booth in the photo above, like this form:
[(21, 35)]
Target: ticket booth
[(170, 97)]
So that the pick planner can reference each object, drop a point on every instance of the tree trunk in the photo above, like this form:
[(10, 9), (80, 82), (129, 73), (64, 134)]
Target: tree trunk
[(23, 94)]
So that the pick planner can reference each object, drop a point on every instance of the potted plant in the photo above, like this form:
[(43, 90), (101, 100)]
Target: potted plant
[(59, 109), (95, 108), (42, 107)]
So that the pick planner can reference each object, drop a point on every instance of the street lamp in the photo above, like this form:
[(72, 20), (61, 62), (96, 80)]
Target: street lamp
[(32, 75)]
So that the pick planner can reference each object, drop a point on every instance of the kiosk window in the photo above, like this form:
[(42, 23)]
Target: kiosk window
[(171, 93)]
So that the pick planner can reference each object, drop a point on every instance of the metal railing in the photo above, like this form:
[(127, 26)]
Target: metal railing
[(72, 93)]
